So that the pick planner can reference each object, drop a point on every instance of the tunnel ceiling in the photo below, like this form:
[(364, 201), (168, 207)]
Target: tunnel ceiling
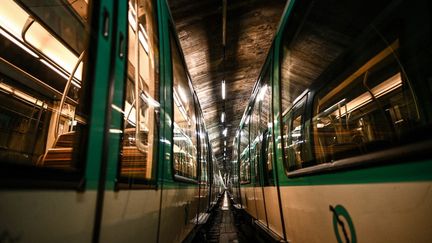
[(250, 28)]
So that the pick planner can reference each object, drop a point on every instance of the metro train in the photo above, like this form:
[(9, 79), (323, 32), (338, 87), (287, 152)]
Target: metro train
[(335, 143), (102, 136)]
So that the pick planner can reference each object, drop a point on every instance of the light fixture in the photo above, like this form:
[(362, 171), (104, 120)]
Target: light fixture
[(223, 117), (247, 120), (223, 89), (225, 131), (182, 94), (262, 92), (13, 20)]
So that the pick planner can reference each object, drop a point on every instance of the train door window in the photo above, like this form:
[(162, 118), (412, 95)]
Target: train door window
[(236, 159), (256, 138), (267, 159), (203, 151), (185, 128), (245, 167), (43, 98), (141, 102), (265, 110), (293, 133)]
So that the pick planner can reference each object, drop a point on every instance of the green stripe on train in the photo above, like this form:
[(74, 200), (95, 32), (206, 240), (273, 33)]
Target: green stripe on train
[(402, 172)]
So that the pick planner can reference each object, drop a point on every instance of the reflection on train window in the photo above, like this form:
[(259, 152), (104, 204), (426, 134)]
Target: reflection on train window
[(366, 112), (293, 135), (268, 160), (142, 92), (245, 167), (204, 153), (185, 137), (264, 99), (245, 170), (43, 111), (352, 54), (255, 139)]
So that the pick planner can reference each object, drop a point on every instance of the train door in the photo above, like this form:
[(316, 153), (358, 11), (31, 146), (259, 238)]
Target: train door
[(270, 189), (246, 170), (130, 197), (256, 144), (50, 70), (203, 180)]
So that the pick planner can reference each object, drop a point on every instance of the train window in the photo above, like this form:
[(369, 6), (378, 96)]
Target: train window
[(366, 65), (43, 103), (294, 135), (365, 112), (245, 166), (142, 93), (185, 134)]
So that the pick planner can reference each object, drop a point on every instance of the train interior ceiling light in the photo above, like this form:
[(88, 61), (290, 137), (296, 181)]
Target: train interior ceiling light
[(19, 27)]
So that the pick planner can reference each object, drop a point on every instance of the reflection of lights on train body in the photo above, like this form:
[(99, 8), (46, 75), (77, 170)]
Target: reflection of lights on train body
[(262, 93), (180, 106), (247, 120)]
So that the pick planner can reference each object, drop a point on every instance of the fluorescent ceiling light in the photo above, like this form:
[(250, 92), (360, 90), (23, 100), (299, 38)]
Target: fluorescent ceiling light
[(223, 117), (12, 17), (182, 94), (223, 89), (41, 39)]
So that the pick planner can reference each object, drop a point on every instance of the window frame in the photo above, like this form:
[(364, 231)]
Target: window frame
[(179, 178)]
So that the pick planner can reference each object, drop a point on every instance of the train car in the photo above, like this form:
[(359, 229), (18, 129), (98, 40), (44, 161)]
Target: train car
[(335, 143), (102, 136)]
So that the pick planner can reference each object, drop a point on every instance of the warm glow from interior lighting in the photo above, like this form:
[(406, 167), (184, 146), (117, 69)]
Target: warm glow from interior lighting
[(182, 94), (381, 89), (12, 17), (13, 91), (143, 41), (41, 39), (131, 20), (223, 89)]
